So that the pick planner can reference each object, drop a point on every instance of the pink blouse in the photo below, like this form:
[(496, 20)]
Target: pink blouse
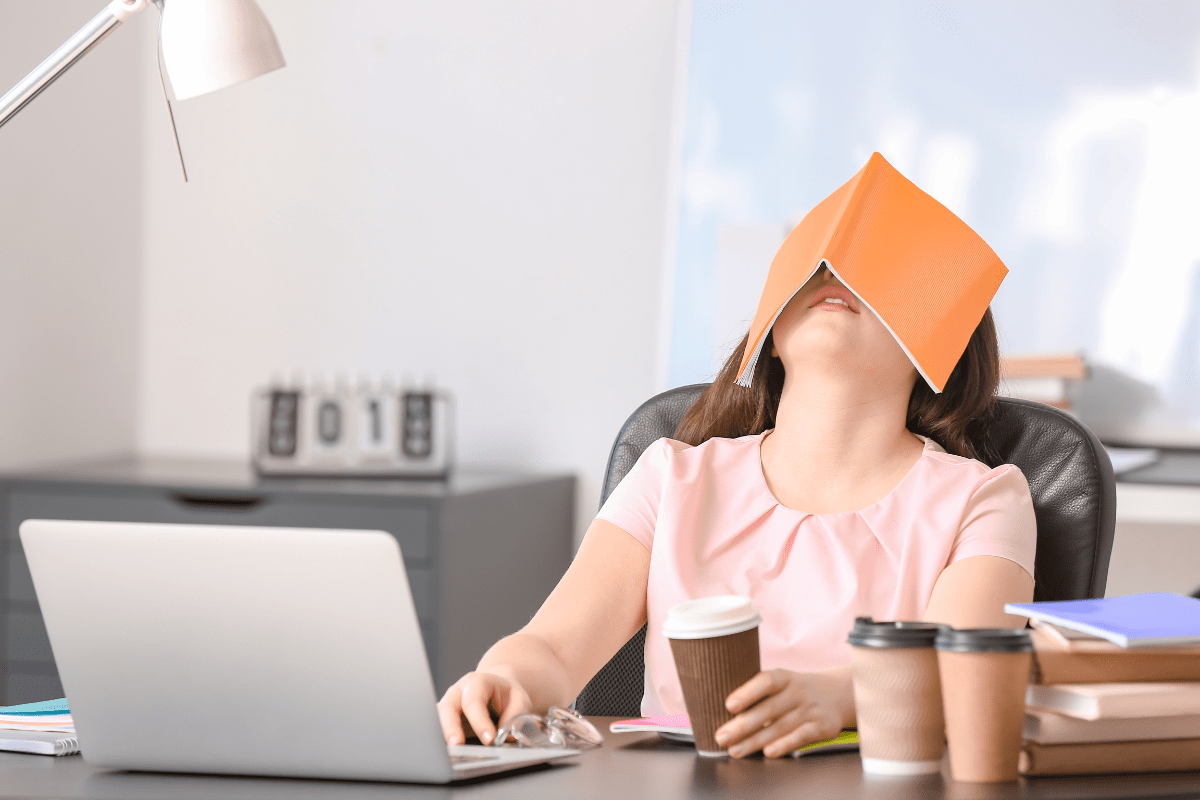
[(713, 527)]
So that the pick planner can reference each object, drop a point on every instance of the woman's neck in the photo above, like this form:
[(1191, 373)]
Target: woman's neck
[(838, 445)]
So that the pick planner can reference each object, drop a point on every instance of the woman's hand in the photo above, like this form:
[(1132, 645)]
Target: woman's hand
[(779, 711), (468, 706)]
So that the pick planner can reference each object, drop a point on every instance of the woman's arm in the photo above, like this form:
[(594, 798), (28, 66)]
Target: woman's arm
[(971, 593), (596, 607), (992, 559)]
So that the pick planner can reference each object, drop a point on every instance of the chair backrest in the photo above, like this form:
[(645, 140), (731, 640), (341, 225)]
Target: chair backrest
[(1070, 478)]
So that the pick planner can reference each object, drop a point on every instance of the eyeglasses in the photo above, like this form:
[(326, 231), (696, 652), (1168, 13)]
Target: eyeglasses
[(560, 727)]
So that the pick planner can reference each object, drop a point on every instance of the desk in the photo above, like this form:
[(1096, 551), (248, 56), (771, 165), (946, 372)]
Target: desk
[(499, 534), (629, 765)]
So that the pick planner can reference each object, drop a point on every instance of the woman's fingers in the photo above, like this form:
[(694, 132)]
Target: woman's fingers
[(775, 703), (782, 711), (764, 736), (756, 719), (468, 706), (793, 740), (449, 710), (755, 689), (477, 694), (518, 702)]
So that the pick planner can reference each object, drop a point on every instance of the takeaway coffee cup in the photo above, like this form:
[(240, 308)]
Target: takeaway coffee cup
[(897, 697), (715, 644), (984, 674)]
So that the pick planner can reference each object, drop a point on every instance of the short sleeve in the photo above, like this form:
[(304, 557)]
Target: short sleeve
[(999, 520), (633, 505)]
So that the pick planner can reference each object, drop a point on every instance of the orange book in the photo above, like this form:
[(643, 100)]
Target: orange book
[(923, 271), (1090, 660)]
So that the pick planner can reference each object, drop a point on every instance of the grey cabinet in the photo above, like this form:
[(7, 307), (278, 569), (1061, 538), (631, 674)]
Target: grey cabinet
[(482, 549)]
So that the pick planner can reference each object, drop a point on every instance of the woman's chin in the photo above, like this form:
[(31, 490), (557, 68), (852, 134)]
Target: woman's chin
[(837, 361), (832, 346), (822, 345)]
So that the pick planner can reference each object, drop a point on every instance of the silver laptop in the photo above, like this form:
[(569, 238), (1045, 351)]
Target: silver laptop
[(245, 650)]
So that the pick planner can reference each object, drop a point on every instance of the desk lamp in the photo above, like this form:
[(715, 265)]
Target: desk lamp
[(206, 44)]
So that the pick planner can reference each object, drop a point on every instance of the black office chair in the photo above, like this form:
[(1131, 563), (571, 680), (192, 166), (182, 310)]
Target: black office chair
[(1070, 478)]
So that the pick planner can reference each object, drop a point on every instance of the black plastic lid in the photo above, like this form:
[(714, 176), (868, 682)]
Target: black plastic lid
[(984, 640), (888, 635)]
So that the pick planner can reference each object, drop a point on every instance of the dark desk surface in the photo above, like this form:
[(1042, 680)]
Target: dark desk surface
[(632, 765), (1173, 468)]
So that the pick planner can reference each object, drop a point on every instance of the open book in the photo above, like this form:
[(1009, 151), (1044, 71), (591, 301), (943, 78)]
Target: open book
[(905, 256)]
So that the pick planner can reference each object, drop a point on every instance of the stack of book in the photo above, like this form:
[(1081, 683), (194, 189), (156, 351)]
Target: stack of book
[(1115, 686), (1046, 379), (45, 728)]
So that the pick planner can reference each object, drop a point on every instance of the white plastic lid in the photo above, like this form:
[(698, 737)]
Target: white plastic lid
[(711, 616)]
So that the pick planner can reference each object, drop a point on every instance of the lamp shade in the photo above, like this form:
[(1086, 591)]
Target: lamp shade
[(210, 44)]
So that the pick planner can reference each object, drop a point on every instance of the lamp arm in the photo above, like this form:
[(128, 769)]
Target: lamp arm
[(61, 59)]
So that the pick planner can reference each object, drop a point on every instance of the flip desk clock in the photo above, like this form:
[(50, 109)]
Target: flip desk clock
[(365, 431)]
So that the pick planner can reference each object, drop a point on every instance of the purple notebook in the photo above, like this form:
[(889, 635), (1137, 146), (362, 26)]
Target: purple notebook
[(1157, 619)]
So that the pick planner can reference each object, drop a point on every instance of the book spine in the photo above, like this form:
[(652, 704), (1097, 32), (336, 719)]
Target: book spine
[(1063, 666), (1082, 702), (850, 215), (1051, 698), (1107, 758), (1166, 705), (1045, 727)]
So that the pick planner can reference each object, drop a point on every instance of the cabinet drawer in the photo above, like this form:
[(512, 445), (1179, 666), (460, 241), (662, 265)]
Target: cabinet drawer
[(409, 525)]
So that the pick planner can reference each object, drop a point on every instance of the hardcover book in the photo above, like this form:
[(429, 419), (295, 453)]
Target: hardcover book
[(1091, 660), (1108, 758)]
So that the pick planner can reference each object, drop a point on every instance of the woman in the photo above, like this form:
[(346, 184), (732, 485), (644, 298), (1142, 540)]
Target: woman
[(815, 493)]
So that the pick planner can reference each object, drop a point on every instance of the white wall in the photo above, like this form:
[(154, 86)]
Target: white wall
[(470, 190), (70, 230)]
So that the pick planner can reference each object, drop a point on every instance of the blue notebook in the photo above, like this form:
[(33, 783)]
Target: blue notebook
[(44, 708), (1157, 619)]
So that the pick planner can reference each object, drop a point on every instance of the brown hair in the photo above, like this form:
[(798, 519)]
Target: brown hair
[(957, 419)]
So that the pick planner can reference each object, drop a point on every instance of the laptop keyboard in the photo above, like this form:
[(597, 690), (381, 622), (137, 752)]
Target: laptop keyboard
[(467, 759)]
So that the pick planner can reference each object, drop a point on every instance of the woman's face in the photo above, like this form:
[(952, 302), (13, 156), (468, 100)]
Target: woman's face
[(825, 330)]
